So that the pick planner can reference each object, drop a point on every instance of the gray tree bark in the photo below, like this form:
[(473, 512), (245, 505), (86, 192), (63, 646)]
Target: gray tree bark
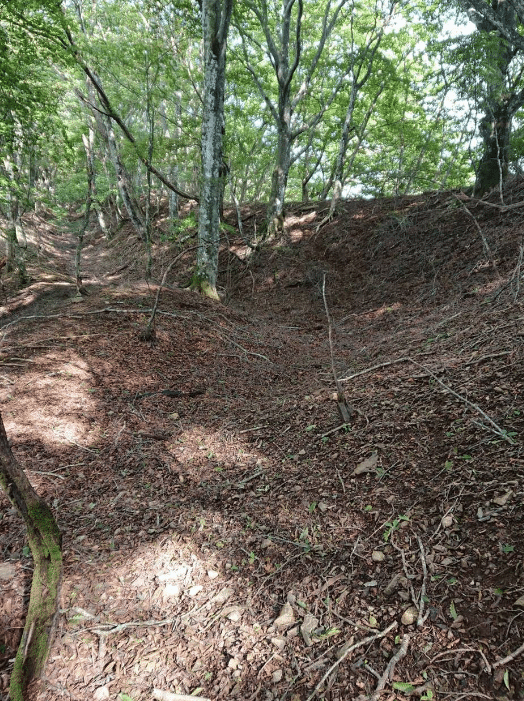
[(216, 16), (505, 95)]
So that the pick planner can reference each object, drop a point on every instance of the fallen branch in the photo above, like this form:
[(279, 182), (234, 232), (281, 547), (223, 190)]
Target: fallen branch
[(374, 367), (388, 672), (351, 648), (482, 236), (346, 411), (509, 658), (495, 428), (422, 599), (149, 331), (161, 695)]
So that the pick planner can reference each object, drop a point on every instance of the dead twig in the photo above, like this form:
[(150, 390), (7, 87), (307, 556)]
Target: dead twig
[(509, 657), (374, 367), (482, 236), (161, 695), (388, 672), (148, 333), (351, 648), (422, 598), (346, 411), (495, 428)]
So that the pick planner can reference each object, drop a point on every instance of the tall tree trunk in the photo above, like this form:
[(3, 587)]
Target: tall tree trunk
[(275, 212), (495, 129), (123, 183), (45, 543), (216, 16)]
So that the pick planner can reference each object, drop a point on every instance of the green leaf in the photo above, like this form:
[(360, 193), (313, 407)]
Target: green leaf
[(453, 611), (506, 679), (404, 687)]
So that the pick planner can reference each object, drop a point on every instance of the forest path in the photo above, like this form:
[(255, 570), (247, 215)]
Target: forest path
[(225, 533)]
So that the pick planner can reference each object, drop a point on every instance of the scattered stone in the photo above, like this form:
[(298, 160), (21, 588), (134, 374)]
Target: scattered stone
[(519, 601), (101, 694), (286, 617), (367, 465), (309, 624), (212, 574), (371, 583), (233, 613), (7, 570), (279, 642), (266, 543), (447, 521), (323, 506), (222, 596), (502, 500), (409, 616), (195, 590), (171, 591), (378, 556), (277, 675)]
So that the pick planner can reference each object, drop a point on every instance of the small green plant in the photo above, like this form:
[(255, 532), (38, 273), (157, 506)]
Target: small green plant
[(392, 526), (506, 549), (453, 611), (404, 687), (312, 507)]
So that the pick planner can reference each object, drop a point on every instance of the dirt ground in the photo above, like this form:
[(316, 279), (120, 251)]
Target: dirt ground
[(227, 533)]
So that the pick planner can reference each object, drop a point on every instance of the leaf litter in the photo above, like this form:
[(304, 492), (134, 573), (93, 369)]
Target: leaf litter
[(224, 535)]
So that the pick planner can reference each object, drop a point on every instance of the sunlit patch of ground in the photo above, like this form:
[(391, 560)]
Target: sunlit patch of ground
[(64, 411)]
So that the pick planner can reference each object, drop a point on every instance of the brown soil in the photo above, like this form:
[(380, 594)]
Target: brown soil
[(205, 480)]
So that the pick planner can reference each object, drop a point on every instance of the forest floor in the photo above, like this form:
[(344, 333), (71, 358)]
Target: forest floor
[(226, 533)]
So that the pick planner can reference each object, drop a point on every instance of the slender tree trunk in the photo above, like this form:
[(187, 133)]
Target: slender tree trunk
[(123, 183), (275, 212), (216, 16), (45, 543)]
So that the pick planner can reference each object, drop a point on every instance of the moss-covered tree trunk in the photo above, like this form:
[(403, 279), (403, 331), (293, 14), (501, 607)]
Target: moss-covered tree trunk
[(45, 543)]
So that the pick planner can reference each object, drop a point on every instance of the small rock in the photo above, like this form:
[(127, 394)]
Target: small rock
[(309, 624), (409, 616), (233, 613), (519, 602), (195, 590), (286, 617), (101, 693), (171, 591), (7, 570), (277, 675), (212, 574), (266, 543), (378, 556), (367, 465), (323, 506), (233, 663), (279, 642), (222, 596), (371, 583), (447, 521)]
